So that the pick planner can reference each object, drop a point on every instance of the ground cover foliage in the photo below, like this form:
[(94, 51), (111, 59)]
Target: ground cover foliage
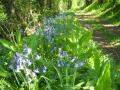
[(107, 10), (44, 47), (60, 55)]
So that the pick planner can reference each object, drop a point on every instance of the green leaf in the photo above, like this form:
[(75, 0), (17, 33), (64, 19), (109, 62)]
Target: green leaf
[(4, 85), (76, 87), (104, 81), (7, 44), (47, 81), (85, 38), (33, 42), (4, 73), (59, 75), (18, 37)]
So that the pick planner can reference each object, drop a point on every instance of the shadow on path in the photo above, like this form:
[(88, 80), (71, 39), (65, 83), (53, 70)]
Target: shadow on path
[(90, 21)]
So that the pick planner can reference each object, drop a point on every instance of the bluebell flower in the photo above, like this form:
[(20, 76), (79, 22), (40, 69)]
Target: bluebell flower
[(29, 80), (66, 63), (11, 66), (38, 57), (54, 48), (29, 62), (65, 54), (19, 62), (22, 31), (33, 74), (52, 39), (59, 62), (27, 71), (17, 69), (27, 50), (18, 57), (36, 70), (78, 64), (21, 66), (73, 59), (60, 51), (44, 69)]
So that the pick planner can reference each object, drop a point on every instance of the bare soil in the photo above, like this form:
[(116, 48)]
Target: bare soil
[(86, 20)]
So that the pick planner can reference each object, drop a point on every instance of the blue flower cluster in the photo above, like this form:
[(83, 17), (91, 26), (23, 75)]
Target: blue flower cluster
[(22, 62), (50, 29), (64, 58)]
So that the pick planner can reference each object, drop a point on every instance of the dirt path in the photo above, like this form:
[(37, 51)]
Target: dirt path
[(90, 22)]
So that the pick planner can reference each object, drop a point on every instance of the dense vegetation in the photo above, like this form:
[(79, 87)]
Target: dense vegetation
[(43, 46)]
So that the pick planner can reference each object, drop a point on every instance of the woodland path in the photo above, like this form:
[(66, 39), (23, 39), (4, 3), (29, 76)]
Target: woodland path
[(96, 25)]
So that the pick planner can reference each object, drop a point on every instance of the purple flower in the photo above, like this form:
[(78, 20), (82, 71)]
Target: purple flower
[(59, 62), (65, 54), (21, 66), (20, 62), (28, 62), (54, 48), (60, 51), (17, 69), (73, 59), (27, 50), (78, 64), (18, 57)]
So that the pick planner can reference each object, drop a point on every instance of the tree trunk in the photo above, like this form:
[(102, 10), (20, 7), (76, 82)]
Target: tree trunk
[(69, 4)]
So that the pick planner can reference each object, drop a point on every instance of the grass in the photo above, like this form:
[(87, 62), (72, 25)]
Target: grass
[(106, 11)]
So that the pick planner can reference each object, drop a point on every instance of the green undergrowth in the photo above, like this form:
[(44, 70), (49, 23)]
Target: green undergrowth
[(106, 11), (2, 14), (64, 54), (114, 40)]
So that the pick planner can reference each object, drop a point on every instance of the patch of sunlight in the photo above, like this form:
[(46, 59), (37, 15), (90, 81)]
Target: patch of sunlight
[(108, 46), (110, 25), (116, 42), (86, 19), (87, 13), (83, 13)]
